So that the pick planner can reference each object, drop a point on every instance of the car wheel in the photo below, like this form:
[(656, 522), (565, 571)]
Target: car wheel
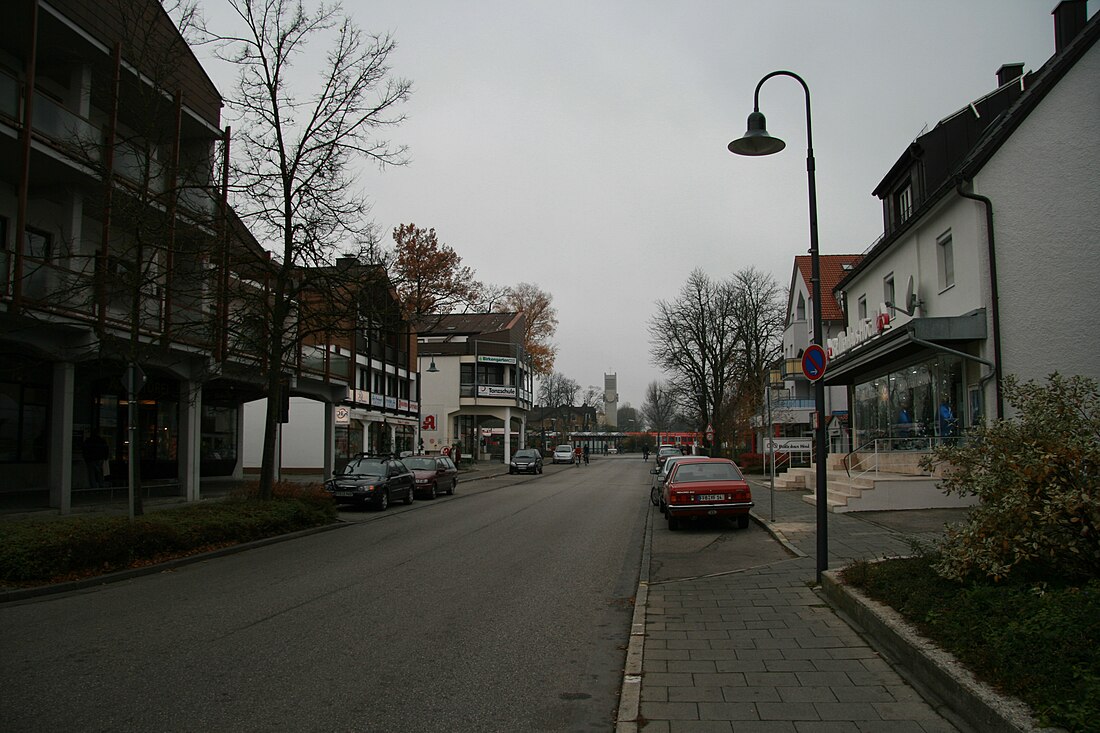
[(384, 500), (540, 469), (673, 522), (409, 497), (511, 471), (454, 484), (743, 521), (431, 491), (654, 497)]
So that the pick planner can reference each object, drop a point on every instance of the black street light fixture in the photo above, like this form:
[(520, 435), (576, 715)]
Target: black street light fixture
[(757, 141)]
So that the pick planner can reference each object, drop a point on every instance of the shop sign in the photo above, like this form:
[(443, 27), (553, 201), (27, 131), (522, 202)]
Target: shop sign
[(494, 390), (403, 405), (496, 359), (343, 415), (789, 445), (391, 403), (865, 330), (362, 396), (429, 423)]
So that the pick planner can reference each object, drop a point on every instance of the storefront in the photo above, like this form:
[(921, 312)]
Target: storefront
[(914, 386)]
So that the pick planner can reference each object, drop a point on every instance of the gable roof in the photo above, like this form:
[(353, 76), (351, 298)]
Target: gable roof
[(468, 324), (834, 268)]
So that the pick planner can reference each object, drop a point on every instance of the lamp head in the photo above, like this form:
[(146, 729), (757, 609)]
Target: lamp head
[(756, 140), (432, 367)]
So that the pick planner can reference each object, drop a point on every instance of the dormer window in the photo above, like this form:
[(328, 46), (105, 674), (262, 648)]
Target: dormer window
[(800, 309), (903, 203)]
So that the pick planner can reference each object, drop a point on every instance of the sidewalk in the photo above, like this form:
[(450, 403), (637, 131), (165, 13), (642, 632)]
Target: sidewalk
[(759, 650)]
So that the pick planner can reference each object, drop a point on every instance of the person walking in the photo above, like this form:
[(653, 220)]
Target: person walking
[(96, 453), (645, 453), (586, 455)]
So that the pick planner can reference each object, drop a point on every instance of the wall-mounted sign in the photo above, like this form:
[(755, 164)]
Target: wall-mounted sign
[(495, 390), (343, 415), (496, 359)]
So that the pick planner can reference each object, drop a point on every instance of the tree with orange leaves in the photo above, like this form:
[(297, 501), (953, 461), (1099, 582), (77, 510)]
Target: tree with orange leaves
[(429, 275), (542, 323)]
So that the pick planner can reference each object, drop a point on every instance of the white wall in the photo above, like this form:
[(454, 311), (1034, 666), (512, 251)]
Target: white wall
[(303, 437), (1045, 186)]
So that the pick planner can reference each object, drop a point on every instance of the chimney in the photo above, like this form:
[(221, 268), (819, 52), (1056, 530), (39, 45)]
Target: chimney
[(1009, 72), (1069, 18)]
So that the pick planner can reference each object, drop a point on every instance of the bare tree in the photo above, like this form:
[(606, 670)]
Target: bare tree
[(293, 170), (717, 339), (659, 408)]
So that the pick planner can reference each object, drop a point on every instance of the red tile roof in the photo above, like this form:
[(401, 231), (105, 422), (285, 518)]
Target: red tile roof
[(833, 269)]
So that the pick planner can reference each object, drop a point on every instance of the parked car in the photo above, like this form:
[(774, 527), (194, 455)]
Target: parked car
[(706, 487), (526, 460), (377, 481), (563, 454), (665, 451), (433, 474), (660, 475), (612, 451)]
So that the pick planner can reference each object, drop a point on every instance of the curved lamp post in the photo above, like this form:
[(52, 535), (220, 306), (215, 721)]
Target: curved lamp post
[(757, 141)]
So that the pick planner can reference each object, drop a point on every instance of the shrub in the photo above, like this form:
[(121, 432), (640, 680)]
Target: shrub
[(44, 551), (1037, 476)]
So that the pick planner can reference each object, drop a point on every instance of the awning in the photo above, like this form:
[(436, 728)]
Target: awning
[(904, 344)]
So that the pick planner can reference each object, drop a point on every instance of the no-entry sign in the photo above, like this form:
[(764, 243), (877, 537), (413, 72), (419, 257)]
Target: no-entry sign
[(813, 362)]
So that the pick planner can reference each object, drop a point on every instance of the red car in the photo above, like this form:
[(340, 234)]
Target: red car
[(434, 474), (709, 487)]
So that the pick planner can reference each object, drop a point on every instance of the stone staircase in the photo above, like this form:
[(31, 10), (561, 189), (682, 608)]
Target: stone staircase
[(899, 483)]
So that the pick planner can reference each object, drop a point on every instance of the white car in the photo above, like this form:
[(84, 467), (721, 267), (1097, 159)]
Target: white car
[(563, 454)]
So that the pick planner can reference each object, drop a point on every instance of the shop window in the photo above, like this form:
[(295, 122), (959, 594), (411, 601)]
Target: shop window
[(945, 259), (23, 423)]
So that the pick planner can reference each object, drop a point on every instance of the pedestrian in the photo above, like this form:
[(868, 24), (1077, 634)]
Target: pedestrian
[(586, 455), (96, 453), (645, 453)]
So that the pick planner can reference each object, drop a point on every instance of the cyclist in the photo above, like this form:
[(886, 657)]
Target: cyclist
[(645, 453), (577, 456), (586, 455)]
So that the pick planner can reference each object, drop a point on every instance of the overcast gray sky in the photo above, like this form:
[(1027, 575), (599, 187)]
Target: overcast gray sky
[(581, 146)]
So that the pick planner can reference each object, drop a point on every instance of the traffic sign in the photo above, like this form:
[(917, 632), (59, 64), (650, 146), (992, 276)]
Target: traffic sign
[(813, 362)]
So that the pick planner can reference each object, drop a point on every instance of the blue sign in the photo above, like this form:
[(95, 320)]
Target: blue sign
[(813, 362)]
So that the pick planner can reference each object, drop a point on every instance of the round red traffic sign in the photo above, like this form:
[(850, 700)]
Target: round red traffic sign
[(813, 362)]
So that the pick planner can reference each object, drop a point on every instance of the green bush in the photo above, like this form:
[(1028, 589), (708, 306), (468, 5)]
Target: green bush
[(43, 551), (1037, 476), (1038, 642)]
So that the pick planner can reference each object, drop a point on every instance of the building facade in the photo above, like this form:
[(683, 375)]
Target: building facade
[(991, 237), (476, 377)]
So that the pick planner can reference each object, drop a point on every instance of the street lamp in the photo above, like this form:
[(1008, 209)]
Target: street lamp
[(757, 141)]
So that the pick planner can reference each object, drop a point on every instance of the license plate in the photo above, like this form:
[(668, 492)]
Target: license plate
[(343, 494), (710, 497)]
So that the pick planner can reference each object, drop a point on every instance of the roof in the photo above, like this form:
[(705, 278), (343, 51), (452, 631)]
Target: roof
[(833, 269), (468, 324), (967, 164)]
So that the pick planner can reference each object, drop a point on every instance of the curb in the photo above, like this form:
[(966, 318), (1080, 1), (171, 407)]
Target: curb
[(630, 695), (930, 668), (21, 594)]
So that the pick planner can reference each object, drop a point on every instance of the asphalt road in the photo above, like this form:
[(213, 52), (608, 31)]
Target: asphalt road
[(504, 608)]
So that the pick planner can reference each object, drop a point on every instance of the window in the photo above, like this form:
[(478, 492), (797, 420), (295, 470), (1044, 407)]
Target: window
[(861, 308), (945, 258), (888, 293), (903, 203), (800, 309)]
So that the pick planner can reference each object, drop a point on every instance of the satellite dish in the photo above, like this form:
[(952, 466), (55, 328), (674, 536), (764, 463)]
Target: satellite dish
[(912, 302)]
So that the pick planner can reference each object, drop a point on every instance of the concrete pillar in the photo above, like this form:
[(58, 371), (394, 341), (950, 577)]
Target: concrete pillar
[(507, 435), (523, 431), (329, 449), (189, 441), (60, 450)]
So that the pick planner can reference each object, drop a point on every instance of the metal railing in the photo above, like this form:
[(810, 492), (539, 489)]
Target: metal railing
[(876, 448)]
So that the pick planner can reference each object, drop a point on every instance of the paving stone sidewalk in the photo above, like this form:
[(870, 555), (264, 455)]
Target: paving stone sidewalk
[(759, 650)]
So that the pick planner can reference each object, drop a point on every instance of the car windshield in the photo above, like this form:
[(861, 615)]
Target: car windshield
[(366, 467), (669, 451), (527, 453), (706, 472), (420, 464)]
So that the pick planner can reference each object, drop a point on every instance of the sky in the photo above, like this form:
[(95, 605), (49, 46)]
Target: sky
[(581, 145)]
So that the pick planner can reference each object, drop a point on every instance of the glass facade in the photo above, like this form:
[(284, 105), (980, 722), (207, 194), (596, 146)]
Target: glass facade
[(908, 408)]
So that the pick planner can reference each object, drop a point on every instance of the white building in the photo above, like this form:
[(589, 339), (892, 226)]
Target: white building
[(477, 384), (989, 256), (611, 400)]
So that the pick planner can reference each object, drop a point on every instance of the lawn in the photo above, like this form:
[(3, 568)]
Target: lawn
[(1039, 643)]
